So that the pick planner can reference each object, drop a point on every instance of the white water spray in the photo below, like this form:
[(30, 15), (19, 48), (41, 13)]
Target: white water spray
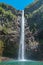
[(21, 46)]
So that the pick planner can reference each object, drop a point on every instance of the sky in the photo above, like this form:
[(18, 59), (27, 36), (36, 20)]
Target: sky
[(18, 4)]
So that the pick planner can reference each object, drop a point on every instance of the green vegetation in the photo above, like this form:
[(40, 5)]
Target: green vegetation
[(6, 18), (9, 32), (1, 47), (8, 25), (34, 16)]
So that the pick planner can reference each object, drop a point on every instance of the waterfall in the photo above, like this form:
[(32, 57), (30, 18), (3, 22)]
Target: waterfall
[(21, 46)]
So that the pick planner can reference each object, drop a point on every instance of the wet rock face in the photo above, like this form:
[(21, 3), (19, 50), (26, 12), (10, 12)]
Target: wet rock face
[(10, 32), (31, 45), (34, 31), (11, 41), (10, 29)]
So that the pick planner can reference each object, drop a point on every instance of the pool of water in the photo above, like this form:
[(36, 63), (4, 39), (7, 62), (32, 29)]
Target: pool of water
[(15, 62)]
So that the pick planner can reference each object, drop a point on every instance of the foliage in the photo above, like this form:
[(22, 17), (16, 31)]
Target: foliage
[(4, 29), (1, 47), (2, 11)]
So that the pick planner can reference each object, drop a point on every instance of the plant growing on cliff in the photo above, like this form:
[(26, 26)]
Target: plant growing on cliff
[(1, 47)]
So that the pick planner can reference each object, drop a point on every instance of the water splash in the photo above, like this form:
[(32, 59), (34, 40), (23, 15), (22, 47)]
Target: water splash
[(21, 46)]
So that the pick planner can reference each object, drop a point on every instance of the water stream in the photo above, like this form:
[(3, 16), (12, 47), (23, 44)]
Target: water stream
[(21, 46)]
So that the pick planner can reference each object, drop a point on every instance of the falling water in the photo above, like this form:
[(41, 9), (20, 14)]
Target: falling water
[(21, 46)]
